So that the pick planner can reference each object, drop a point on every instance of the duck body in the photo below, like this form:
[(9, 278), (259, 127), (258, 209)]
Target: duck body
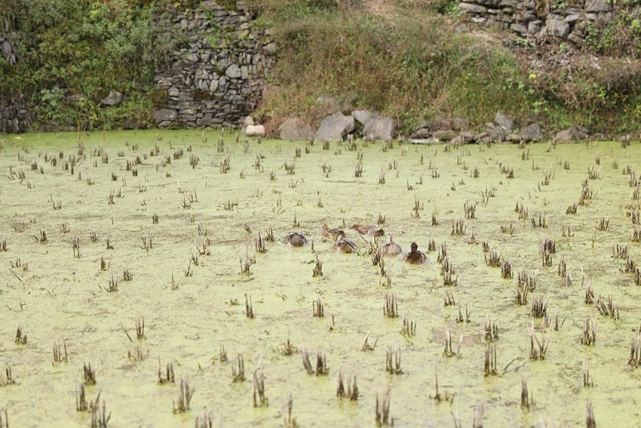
[(295, 239), (332, 234), (345, 245), (364, 229), (391, 248), (415, 256)]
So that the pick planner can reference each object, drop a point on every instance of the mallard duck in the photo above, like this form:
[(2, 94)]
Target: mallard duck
[(415, 256), (360, 228), (331, 234), (295, 239), (364, 229), (345, 245), (391, 248)]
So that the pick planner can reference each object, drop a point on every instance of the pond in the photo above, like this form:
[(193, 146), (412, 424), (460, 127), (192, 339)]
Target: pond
[(106, 231)]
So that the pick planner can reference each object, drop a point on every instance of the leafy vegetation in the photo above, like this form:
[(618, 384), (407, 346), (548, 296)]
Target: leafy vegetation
[(406, 60), (75, 52)]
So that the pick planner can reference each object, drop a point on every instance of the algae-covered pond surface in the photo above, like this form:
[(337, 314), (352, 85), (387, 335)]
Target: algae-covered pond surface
[(188, 286)]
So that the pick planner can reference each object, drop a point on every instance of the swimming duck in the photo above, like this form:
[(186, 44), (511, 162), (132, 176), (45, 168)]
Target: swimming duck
[(415, 256), (332, 234), (295, 239), (368, 230), (391, 248), (345, 245)]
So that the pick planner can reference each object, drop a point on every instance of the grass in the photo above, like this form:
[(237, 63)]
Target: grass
[(412, 64)]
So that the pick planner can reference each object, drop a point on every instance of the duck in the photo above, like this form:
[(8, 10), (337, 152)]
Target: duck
[(295, 239), (345, 245), (415, 256), (364, 229), (332, 234), (391, 248)]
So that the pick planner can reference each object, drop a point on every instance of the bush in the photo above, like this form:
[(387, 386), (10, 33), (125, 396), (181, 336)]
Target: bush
[(74, 52)]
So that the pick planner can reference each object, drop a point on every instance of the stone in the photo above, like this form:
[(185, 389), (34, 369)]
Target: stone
[(248, 121), (570, 134), (531, 133), (379, 128), (472, 8), (255, 131), (113, 99), (271, 49), (334, 127), (324, 107), (192, 57), (295, 128), (557, 27), (576, 39), (427, 141), (572, 18), (514, 138), (427, 124), (496, 133), (7, 52), (444, 135), (467, 137), (597, 6), (440, 124), (481, 136), (363, 116), (519, 28), (165, 115), (504, 121), (533, 27), (233, 72), (460, 124), (422, 133)]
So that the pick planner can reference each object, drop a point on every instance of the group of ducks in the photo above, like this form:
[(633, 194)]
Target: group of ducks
[(345, 245)]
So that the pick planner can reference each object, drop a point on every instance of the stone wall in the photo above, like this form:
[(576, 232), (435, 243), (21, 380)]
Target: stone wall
[(539, 18), (216, 77)]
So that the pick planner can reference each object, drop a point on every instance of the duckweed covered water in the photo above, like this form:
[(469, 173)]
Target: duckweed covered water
[(189, 318)]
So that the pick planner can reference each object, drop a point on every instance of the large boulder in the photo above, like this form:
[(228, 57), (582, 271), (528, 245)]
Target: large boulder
[(248, 121), (571, 134), (324, 107), (113, 99), (255, 131), (334, 127), (379, 128), (531, 133), (504, 121), (295, 128), (460, 124), (363, 116), (496, 133)]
